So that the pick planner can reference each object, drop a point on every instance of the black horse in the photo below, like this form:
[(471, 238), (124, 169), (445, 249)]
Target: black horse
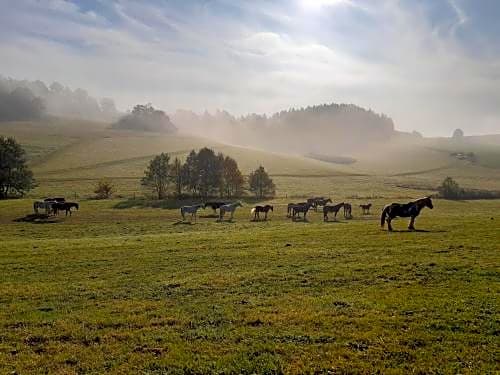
[(300, 209), (64, 206), (410, 209), (258, 209), (332, 209), (215, 205), (289, 209)]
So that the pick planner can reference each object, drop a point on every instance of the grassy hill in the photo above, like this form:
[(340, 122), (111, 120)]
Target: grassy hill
[(68, 156)]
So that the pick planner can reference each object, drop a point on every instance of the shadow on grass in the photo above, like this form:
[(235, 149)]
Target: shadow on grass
[(38, 219), (415, 231), (180, 222)]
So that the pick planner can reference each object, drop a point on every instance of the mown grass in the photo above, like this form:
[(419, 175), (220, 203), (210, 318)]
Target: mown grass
[(135, 291)]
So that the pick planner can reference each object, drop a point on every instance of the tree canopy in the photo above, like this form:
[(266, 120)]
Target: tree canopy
[(15, 176), (261, 184), (146, 118)]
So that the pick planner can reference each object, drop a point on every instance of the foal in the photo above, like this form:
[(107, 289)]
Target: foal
[(365, 208)]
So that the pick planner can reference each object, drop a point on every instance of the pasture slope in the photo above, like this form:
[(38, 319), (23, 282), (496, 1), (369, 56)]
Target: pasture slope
[(135, 291), (121, 287)]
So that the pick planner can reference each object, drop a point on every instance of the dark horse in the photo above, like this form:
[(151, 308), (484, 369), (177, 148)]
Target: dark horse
[(334, 209), (318, 201), (410, 209), (215, 205), (297, 209), (258, 209), (64, 206), (289, 209), (365, 208)]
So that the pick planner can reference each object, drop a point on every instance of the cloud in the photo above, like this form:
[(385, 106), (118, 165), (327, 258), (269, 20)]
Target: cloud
[(265, 56)]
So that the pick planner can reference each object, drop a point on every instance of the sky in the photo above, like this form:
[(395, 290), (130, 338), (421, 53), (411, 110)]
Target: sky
[(431, 65)]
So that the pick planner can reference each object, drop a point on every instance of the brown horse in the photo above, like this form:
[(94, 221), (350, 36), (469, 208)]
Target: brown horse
[(365, 208), (258, 209), (332, 209), (410, 209)]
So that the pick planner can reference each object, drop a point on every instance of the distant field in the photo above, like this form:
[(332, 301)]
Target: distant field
[(69, 156), (135, 291)]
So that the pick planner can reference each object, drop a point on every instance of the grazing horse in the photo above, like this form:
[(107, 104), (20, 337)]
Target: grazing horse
[(410, 209), (64, 206), (347, 211), (258, 209), (333, 209), (365, 208), (231, 207), (44, 205), (300, 208), (289, 208), (191, 210), (215, 205)]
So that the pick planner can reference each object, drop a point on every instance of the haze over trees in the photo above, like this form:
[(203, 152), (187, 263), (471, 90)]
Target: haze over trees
[(15, 177), (28, 100), (311, 129), (146, 118)]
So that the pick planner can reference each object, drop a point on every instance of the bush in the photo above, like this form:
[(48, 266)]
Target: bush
[(450, 189), (104, 189)]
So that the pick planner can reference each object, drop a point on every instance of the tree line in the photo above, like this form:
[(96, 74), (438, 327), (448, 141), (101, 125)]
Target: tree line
[(204, 174)]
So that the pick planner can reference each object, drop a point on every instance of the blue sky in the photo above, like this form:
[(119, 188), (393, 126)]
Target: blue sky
[(432, 65)]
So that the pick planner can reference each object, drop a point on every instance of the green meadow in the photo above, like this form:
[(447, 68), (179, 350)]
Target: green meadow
[(123, 286)]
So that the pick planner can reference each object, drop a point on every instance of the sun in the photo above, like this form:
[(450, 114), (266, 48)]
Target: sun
[(318, 4)]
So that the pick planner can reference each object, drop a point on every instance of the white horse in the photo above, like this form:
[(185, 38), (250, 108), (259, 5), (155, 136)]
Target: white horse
[(231, 207), (190, 210), (43, 205)]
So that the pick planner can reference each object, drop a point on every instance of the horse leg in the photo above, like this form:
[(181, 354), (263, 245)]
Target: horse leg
[(389, 226), (412, 223)]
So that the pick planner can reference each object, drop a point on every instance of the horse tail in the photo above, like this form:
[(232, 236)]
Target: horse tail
[(385, 212)]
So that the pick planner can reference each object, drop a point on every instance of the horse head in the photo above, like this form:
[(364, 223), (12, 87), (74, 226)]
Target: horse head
[(76, 205), (428, 202), (271, 208)]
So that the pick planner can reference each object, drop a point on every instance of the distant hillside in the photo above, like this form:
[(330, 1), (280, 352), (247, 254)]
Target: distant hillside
[(316, 129), (23, 100)]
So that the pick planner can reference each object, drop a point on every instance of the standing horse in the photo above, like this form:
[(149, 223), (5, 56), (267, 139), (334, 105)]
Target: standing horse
[(300, 208), (347, 211), (365, 208), (64, 206), (410, 209), (215, 205), (333, 209), (44, 205), (289, 208), (190, 210), (318, 201), (231, 207), (258, 209)]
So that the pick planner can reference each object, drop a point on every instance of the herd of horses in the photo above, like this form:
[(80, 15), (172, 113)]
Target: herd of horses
[(295, 210), (52, 206)]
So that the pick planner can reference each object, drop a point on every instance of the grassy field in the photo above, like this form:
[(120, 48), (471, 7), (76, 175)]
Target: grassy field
[(122, 287), (135, 291)]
